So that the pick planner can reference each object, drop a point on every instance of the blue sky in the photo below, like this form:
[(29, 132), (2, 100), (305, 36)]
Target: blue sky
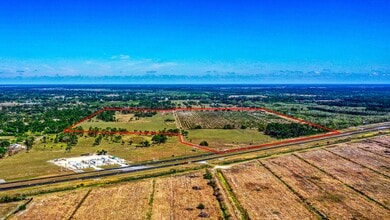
[(187, 41)]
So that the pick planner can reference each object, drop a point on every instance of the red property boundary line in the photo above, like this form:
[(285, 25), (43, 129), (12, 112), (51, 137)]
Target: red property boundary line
[(330, 132)]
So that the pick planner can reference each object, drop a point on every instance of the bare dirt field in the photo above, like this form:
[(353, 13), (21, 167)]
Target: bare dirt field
[(52, 206), (371, 160), (366, 181), (263, 195), (125, 201), (175, 198), (327, 195)]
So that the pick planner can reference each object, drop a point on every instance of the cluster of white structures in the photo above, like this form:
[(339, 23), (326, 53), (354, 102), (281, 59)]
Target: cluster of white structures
[(78, 164)]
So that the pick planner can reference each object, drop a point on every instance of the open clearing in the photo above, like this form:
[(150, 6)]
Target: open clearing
[(366, 181), (35, 163), (157, 122), (263, 195), (175, 198), (324, 193), (52, 206), (126, 201)]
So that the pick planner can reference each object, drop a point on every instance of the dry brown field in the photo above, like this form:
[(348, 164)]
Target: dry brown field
[(329, 196), (175, 198), (368, 159), (52, 206), (374, 148), (263, 195), (383, 139), (120, 117), (8, 208), (366, 181), (125, 201)]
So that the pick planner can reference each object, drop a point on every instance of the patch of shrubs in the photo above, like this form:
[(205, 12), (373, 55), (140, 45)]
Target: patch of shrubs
[(6, 198), (204, 143)]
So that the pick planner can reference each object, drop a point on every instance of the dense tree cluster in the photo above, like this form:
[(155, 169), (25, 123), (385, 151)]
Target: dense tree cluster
[(228, 126), (39, 119), (144, 114), (159, 139), (106, 116), (290, 130)]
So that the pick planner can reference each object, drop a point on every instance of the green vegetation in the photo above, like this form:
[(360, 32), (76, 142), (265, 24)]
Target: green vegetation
[(7, 198), (2, 151), (228, 137), (201, 206), (148, 114), (159, 139), (29, 142), (35, 163), (106, 116), (229, 190), (204, 143), (278, 130), (3, 147), (207, 175)]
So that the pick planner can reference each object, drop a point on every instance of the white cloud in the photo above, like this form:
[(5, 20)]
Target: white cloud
[(120, 57)]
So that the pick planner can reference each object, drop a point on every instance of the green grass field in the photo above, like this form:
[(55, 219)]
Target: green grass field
[(34, 163), (228, 138), (7, 137), (155, 123)]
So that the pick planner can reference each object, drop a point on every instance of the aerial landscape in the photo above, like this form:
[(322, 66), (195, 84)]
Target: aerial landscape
[(194, 110)]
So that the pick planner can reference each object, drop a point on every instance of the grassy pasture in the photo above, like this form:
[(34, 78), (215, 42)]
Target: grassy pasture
[(34, 163), (228, 138)]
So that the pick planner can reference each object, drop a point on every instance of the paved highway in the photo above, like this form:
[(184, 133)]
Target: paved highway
[(171, 162)]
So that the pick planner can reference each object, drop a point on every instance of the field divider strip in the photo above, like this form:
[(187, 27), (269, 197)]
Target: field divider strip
[(150, 203), (18, 209), (223, 205), (232, 196), (346, 184), (305, 201), (79, 204), (375, 171)]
